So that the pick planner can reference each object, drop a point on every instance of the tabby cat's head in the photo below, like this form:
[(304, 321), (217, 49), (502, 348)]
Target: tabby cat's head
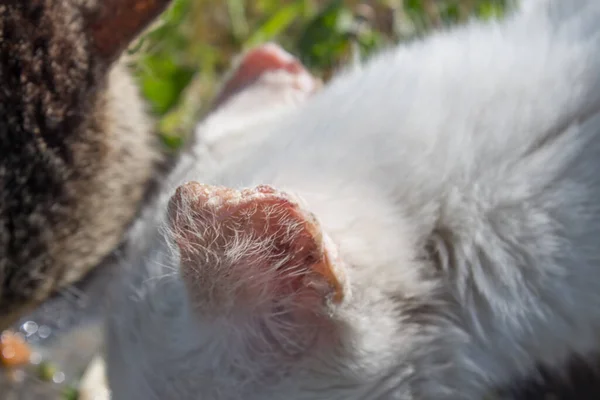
[(76, 150)]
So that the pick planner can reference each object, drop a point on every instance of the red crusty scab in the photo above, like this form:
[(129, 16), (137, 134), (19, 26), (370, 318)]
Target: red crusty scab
[(250, 246)]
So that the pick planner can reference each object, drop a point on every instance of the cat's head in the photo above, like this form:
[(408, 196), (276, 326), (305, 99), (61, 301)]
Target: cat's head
[(261, 300), (76, 149)]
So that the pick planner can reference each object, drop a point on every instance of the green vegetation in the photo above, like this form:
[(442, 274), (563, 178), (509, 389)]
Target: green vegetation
[(178, 63)]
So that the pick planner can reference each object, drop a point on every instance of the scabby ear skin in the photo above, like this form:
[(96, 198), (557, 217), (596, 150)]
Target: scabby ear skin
[(254, 249), (262, 61), (257, 260)]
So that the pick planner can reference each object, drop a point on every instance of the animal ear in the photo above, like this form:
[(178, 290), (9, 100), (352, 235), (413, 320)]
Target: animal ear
[(114, 24), (262, 60), (254, 250)]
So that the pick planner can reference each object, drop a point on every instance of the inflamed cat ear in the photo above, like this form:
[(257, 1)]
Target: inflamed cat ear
[(261, 60), (114, 24), (252, 252)]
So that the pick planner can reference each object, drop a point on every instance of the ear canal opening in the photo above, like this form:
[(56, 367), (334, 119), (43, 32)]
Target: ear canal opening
[(116, 23)]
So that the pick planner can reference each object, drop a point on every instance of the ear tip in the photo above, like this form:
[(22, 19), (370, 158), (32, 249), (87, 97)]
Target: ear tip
[(188, 196), (118, 22)]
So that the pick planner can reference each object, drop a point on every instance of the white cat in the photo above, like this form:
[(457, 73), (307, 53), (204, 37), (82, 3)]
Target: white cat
[(430, 230)]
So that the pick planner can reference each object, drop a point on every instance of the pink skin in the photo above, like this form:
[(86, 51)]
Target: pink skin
[(277, 249), (261, 61)]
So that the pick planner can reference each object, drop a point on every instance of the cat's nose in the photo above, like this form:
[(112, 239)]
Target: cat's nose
[(253, 250)]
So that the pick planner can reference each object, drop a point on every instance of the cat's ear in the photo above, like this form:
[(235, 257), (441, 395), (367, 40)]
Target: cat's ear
[(253, 251), (260, 61), (114, 24)]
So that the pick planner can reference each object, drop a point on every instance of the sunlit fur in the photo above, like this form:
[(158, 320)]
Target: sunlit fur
[(458, 176)]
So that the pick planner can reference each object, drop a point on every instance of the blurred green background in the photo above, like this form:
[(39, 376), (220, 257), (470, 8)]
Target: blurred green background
[(179, 62)]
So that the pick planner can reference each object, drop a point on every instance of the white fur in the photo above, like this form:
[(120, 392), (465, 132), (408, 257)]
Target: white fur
[(459, 177)]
